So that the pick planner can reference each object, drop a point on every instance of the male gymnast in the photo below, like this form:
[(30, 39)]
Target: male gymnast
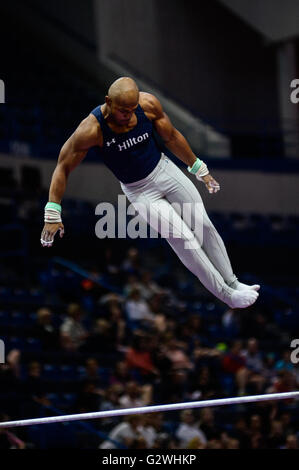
[(122, 131)]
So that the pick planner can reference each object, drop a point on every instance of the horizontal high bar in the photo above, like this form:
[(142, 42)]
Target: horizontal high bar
[(151, 409)]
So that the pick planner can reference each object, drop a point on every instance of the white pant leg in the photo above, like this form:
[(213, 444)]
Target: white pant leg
[(159, 214), (182, 190)]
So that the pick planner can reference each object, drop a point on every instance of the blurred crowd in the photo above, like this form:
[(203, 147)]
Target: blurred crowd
[(161, 357)]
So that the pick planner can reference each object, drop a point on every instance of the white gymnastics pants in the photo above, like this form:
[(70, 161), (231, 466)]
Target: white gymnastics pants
[(171, 205)]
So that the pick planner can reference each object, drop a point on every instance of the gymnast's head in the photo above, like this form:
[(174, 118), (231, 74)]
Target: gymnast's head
[(122, 100)]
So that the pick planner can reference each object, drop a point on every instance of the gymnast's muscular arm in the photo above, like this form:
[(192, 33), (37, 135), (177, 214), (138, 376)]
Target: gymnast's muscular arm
[(88, 134), (171, 137)]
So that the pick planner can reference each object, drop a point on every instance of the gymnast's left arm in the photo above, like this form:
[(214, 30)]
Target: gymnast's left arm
[(179, 146)]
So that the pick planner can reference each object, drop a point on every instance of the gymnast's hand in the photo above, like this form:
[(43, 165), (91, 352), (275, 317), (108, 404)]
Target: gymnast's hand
[(49, 231), (211, 184)]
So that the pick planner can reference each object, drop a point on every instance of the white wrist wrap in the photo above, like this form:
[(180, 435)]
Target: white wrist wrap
[(52, 216), (203, 171)]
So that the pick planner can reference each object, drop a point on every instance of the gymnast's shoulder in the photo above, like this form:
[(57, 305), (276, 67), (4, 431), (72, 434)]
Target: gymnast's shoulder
[(90, 130), (150, 105)]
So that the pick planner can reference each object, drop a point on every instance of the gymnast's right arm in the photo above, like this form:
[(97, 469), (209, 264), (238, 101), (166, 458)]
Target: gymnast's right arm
[(88, 134)]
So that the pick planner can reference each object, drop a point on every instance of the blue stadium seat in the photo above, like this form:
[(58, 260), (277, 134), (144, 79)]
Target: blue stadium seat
[(5, 292), (4, 318), (32, 319), (105, 373), (80, 371), (33, 344), (51, 372), (18, 319), (21, 294), (68, 372), (53, 398), (215, 331), (68, 398), (227, 381), (36, 295), (56, 320), (15, 342)]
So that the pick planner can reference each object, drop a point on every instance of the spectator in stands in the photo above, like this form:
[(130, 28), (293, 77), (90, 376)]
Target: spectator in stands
[(204, 385), (153, 429), (285, 382), (276, 438), (296, 373), (92, 371), (269, 372), (34, 391), (256, 324), (286, 422), (161, 362), (110, 401), (110, 299), (241, 432), (257, 441), (72, 332), (45, 331), (102, 340), (10, 371), (156, 303), (256, 384), (254, 364), (173, 387), (284, 363), (189, 429), (291, 442), (228, 442), (255, 424), (175, 352), (207, 424), (148, 287), (89, 397), (138, 443), (109, 267), (253, 358), (192, 331), (131, 263), (136, 395), (256, 435), (132, 284), (185, 335), (8, 439), (196, 443), (230, 324), (124, 433), (35, 400), (138, 309), (214, 444), (202, 354), (139, 357), (234, 363), (117, 323), (121, 374), (160, 323)]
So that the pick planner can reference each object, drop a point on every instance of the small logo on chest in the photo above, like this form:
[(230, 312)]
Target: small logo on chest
[(113, 141)]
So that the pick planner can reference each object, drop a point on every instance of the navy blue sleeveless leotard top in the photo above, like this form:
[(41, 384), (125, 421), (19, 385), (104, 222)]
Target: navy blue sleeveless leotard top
[(133, 155)]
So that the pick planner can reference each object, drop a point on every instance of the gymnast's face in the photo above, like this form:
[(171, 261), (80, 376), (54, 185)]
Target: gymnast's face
[(122, 109)]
